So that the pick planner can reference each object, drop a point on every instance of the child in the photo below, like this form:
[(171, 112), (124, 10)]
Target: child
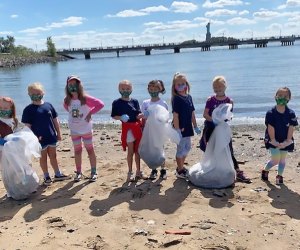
[(81, 107), (219, 87), (41, 118), (127, 110), (280, 122), (184, 120), (154, 88), (18, 177)]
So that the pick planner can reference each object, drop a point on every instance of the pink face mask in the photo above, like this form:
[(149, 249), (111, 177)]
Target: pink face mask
[(181, 87)]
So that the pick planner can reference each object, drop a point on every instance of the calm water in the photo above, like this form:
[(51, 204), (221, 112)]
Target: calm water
[(253, 76)]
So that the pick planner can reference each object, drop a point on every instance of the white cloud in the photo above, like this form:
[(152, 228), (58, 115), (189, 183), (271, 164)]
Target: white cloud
[(153, 23), (292, 3), (221, 3), (14, 16), (243, 12), (155, 9), (129, 13), (35, 30), (68, 22), (183, 7), (266, 14), (240, 21), (281, 7), (220, 12)]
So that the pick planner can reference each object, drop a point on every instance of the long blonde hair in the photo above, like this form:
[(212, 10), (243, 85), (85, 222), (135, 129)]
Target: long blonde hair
[(175, 77)]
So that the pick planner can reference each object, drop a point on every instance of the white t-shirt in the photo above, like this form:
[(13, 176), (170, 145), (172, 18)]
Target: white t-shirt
[(147, 103)]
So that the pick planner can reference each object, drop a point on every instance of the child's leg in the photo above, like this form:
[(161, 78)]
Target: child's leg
[(130, 152), (88, 144), (275, 157), (76, 139), (51, 151), (281, 164), (137, 159), (43, 163)]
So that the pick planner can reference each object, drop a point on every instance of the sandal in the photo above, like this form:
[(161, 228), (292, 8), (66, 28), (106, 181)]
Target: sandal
[(140, 175), (130, 177)]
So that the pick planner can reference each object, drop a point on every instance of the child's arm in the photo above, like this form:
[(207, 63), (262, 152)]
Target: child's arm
[(206, 115), (94, 104), (176, 121), (271, 132), (57, 128)]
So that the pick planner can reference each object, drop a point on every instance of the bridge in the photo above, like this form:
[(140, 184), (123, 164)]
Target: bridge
[(232, 43)]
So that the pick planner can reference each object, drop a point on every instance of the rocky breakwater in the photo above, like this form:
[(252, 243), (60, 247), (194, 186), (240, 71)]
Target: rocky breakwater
[(10, 61)]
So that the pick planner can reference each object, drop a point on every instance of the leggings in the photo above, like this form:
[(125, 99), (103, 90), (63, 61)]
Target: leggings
[(278, 157)]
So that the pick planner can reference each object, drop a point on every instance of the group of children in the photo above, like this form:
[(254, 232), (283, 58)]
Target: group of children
[(41, 117)]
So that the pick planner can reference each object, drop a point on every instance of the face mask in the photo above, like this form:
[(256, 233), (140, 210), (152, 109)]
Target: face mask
[(72, 88), (125, 93), (35, 97), (5, 113), (181, 87), (281, 101), (153, 94)]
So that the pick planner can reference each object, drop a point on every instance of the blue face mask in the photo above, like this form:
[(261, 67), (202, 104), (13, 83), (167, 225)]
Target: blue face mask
[(181, 87), (5, 113), (125, 93), (36, 97)]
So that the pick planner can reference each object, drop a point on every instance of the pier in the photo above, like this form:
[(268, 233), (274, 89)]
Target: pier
[(231, 43)]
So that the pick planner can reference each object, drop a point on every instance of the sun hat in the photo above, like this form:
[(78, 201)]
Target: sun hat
[(71, 77)]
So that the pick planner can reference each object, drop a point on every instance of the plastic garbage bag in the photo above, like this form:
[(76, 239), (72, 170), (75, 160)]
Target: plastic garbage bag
[(19, 178), (216, 170), (156, 132)]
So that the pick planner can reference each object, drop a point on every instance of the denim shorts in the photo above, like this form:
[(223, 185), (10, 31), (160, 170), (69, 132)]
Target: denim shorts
[(184, 147), (52, 145)]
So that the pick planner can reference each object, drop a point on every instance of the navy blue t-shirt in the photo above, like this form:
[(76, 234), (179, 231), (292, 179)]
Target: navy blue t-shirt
[(40, 117), (122, 107), (184, 107), (280, 122)]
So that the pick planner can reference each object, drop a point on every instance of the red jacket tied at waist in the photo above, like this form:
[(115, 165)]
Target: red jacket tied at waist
[(136, 130)]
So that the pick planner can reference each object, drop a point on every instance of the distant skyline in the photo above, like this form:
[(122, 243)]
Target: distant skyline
[(92, 23)]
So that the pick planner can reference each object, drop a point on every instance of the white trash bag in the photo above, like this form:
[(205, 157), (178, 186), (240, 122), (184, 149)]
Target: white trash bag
[(155, 134), (216, 170), (19, 178)]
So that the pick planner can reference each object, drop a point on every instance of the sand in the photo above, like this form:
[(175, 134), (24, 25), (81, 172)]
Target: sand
[(114, 214)]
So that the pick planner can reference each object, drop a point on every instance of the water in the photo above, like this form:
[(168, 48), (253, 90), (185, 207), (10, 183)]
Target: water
[(253, 76)]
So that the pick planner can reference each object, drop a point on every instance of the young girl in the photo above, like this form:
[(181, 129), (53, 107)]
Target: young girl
[(18, 177), (41, 118), (127, 110), (219, 87), (81, 107), (184, 120), (154, 88), (280, 122)]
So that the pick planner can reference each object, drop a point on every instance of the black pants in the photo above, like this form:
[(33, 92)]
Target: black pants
[(206, 134)]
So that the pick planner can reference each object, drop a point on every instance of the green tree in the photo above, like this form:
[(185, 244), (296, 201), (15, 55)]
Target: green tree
[(51, 47)]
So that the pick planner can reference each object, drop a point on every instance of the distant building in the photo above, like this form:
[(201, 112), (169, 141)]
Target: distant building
[(208, 35)]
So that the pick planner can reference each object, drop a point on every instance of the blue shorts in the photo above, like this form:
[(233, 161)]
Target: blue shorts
[(53, 145), (184, 147)]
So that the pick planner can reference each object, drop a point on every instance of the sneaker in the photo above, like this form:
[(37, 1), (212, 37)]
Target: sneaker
[(93, 177), (265, 175), (241, 177), (62, 177), (181, 173), (78, 177), (163, 174), (130, 177), (140, 175), (279, 180), (153, 174), (47, 181)]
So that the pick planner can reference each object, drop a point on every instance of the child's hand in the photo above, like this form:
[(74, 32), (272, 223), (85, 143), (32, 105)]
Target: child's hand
[(146, 114), (124, 118), (274, 143), (59, 137), (2, 141), (285, 144), (197, 130), (88, 117)]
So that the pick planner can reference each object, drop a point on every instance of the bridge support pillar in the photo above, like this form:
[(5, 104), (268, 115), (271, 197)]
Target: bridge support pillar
[(205, 48), (118, 53), (176, 50), (233, 46), (87, 55), (261, 45), (147, 51)]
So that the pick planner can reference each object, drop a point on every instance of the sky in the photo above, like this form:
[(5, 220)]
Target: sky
[(105, 23)]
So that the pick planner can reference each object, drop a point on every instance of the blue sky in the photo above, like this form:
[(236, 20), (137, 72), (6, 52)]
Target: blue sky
[(94, 23)]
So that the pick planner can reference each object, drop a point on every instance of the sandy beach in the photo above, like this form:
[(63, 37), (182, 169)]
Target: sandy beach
[(114, 214)]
